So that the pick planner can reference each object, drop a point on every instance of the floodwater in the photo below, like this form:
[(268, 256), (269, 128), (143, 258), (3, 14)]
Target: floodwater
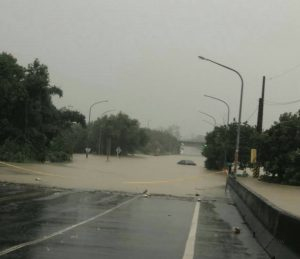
[(81, 220), (157, 174)]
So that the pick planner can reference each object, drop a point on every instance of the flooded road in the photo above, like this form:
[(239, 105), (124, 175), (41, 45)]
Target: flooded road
[(93, 208), (158, 174)]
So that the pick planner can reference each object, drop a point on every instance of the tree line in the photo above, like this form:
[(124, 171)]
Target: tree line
[(33, 129), (106, 134), (278, 148)]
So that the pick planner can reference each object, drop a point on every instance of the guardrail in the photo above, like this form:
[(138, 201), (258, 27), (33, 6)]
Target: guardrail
[(275, 229)]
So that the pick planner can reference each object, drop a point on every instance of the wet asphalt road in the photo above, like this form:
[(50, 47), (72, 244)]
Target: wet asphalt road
[(38, 222)]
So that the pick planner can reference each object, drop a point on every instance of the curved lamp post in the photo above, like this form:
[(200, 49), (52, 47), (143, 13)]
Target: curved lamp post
[(88, 149), (103, 113), (236, 155), (227, 127), (218, 99), (100, 130), (208, 122), (210, 116), (90, 110)]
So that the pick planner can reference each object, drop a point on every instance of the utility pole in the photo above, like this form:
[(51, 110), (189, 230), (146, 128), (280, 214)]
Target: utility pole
[(261, 108), (259, 125), (108, 148)]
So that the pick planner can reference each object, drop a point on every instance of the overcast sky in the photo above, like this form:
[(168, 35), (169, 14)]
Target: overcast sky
[(141, 55)]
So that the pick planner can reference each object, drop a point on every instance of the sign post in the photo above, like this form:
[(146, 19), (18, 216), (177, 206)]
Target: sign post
[(118, 150)]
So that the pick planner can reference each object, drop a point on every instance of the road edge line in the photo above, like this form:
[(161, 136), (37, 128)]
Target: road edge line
[(190, 243)]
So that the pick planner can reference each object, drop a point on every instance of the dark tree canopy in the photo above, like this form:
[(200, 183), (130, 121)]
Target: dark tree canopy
[(120, 129), (280, 149), (28, 119), (222, 140)]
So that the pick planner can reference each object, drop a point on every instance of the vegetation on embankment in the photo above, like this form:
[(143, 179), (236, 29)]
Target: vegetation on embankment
[(278, 148)]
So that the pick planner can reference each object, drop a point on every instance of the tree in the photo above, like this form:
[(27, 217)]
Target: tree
[(222, 140), (161, 142), (120, 129), (280, 149), (174, 130), (28, 119)]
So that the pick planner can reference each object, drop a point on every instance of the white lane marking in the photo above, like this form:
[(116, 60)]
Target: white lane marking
[(190, 243), (36, 241)]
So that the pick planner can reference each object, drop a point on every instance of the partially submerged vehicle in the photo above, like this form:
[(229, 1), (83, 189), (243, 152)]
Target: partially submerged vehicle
[(186, 162)]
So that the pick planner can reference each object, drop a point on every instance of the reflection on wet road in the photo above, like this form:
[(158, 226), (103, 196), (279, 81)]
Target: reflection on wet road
[(61, 223)]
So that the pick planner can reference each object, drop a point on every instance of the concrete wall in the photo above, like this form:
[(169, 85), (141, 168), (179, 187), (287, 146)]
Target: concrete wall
[(276, 230)]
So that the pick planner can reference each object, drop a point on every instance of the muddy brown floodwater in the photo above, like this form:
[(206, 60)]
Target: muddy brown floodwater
[(157, 174)]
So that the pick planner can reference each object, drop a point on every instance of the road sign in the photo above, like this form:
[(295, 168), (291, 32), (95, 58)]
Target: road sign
[(118, 150), (253, 155)]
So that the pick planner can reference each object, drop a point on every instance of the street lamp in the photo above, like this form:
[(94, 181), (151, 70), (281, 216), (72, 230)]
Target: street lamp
[(236, 156), (218, 99), (227, 127), (103, 113), (100, 132), (88, 149), (208, 122), (210, 116), (90, 110)]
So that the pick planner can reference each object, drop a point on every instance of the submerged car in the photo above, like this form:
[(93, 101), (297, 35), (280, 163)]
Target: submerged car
[(186, 162)]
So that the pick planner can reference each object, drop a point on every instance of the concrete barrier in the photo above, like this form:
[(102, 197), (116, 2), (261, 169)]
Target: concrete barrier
[(276, 230)]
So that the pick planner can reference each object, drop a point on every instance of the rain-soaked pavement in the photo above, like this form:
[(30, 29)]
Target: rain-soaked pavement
[(41, 222), (62, 211)]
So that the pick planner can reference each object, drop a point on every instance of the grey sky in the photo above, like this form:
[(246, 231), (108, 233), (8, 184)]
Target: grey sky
[(142, 54)]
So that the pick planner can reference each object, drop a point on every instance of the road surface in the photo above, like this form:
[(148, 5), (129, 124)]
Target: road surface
[(93, 208)]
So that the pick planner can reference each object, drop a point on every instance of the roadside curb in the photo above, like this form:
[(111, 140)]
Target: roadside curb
[(276, 230)]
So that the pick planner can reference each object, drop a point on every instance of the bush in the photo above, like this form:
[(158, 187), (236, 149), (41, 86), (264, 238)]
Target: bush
[(59, 156), (61, 148), (15, 152)]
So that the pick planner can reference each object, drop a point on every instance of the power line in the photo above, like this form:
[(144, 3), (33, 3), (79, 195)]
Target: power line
[(284, 72), (281, 103), (252, 114)]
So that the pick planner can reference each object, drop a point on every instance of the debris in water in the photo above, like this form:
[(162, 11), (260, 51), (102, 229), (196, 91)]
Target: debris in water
[(236, 230), (38, 179)]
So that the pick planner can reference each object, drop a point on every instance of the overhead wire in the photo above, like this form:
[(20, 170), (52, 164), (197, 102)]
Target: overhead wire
[(281, 103), (252, 114), (283, 73)]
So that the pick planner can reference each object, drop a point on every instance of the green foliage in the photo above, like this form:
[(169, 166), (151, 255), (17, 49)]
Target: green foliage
[(161, 142), (280, 149), (12, 151), (222, 140), (120, 130), (78, 136), (28, 119)]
